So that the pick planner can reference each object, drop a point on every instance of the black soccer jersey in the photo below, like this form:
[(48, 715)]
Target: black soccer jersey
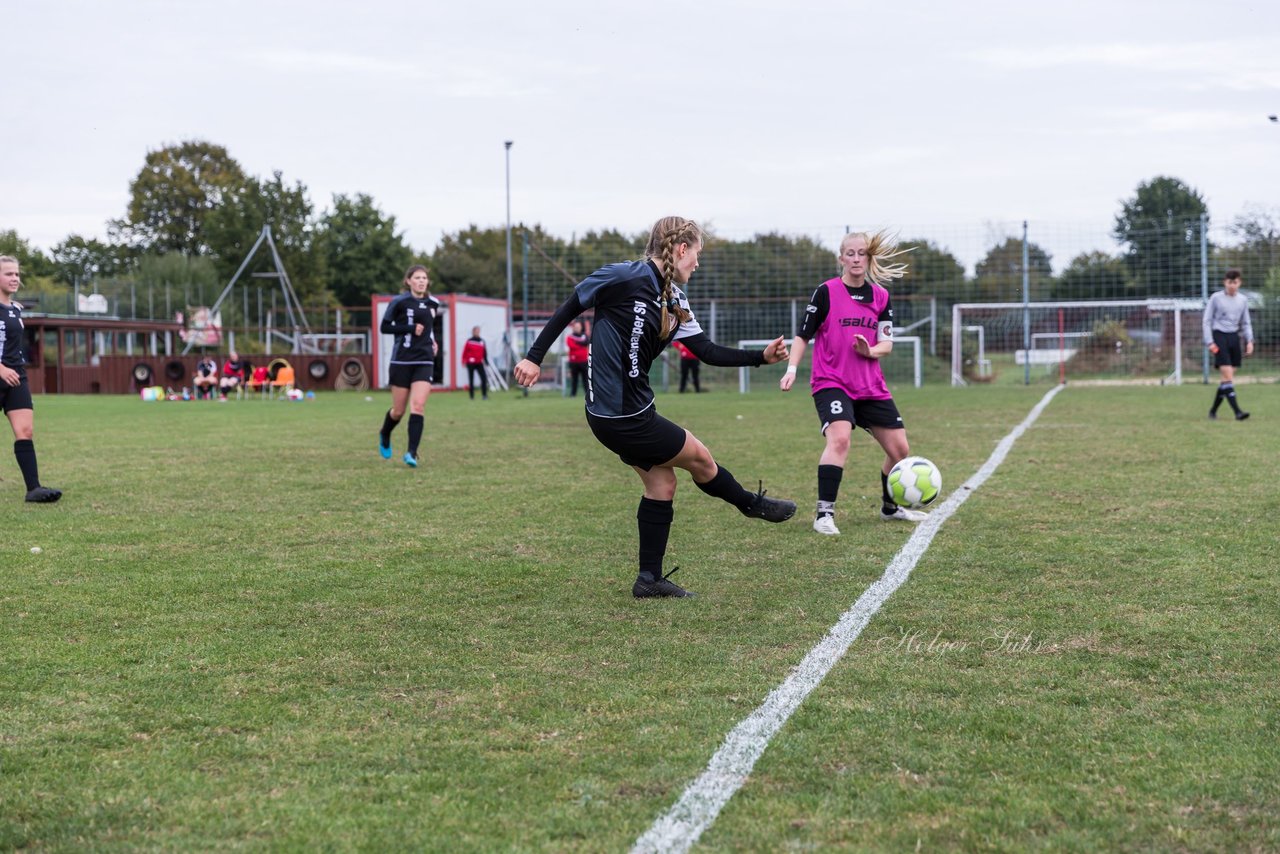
[(12, 336), (403, 314), (626, 336)]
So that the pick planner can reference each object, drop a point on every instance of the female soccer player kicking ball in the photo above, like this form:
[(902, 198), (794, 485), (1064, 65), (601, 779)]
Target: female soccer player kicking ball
[(638, 311), (850, 321)]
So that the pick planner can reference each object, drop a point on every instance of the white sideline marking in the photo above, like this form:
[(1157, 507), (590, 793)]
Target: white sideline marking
[(679, 828)]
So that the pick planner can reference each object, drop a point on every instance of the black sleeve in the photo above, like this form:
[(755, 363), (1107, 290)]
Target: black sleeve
[(564, 315), (389, 326), (814, 313), (726, 357)]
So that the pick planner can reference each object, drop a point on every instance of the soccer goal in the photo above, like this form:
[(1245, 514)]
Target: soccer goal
[(1138, 341), (917, 360)]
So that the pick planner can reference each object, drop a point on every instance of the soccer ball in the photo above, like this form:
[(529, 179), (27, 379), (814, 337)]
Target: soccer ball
[(914, 482)]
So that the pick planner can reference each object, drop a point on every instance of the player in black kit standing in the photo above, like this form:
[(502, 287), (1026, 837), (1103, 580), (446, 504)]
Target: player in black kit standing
[(639, 310), (15, 394), (411, 318)]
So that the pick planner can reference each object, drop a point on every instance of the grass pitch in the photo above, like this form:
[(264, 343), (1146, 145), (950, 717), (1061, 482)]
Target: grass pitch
[(246, 630)]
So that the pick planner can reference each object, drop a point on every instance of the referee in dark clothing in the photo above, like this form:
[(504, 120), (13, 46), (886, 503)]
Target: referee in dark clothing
[(639, 310), (1226, 327)]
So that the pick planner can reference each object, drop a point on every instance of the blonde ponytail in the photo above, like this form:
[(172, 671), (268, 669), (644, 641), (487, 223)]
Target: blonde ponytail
[(881, 246), (668, 233)]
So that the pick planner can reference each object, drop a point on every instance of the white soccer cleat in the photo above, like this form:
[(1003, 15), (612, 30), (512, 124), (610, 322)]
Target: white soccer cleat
[(902, 514), (826, 525)]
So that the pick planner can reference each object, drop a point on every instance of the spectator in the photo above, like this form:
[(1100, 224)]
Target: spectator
[(689, 365), (579, 345), (475, 355), (233, 374), (206, 378)]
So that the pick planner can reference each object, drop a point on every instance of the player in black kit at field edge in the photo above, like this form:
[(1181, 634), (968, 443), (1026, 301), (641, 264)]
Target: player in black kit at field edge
[(411, 318), (638, 312), (15, 393)]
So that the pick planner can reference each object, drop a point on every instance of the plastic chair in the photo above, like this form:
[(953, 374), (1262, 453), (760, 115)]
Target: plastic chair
[(282, 377)]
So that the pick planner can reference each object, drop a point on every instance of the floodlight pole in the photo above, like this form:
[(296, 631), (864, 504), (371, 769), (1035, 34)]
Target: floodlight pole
[(510, 294), (1026, 308), (524, 275)]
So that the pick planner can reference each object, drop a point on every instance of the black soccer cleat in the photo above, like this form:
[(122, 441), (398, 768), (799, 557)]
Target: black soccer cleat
[(662, 587), (44, 495), (1213, 416), (770, 509), (1240, 416)]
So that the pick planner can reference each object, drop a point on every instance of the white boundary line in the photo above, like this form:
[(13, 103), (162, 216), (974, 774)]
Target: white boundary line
[(679, 828)]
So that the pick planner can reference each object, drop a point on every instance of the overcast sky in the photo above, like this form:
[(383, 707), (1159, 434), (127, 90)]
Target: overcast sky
[(958, 120)]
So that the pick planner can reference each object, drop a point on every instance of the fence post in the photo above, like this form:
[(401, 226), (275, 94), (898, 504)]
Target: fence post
[(1026, 309), (1204, 285), (524, 273)]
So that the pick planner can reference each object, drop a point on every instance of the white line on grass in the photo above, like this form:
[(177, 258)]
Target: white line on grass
[(680, 826)]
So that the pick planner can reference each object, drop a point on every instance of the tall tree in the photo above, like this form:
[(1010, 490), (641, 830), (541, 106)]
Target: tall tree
[(931, 270), (234, 227), (38, 272), (81, 259), (1160, 230), (474, 261), (30, 258), (173, 195), (768, 266), (361, 250), (998, 276), (1094, 275), (1257, 250)]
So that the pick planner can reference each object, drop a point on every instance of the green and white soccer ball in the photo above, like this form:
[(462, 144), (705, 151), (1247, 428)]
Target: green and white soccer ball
[(914, 482)]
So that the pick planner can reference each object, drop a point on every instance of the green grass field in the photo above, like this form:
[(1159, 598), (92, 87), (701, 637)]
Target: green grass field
[(247, 631)]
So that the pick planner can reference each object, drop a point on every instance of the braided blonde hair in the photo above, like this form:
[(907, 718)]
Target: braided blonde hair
[(668, 233), (881, 246)]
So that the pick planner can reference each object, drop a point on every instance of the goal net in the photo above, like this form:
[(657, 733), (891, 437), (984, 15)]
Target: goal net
[(1146, 341)]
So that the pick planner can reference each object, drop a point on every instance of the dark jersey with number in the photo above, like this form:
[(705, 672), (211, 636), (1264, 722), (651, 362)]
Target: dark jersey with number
[(403, 314), (626, 337), (12, 336)]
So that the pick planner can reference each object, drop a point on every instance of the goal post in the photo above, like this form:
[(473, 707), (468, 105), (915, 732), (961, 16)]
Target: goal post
[(1137, 341), (917, 358)]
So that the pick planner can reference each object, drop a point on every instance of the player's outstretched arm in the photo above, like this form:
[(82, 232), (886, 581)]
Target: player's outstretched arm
[(776, 351), (798, 347), (528, 369), (732, 357)]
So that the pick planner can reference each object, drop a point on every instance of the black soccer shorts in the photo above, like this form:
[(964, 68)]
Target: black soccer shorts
[(834, 404)]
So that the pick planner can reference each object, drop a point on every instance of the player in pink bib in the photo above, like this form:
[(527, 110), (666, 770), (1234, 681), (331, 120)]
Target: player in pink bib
[(849, 319)]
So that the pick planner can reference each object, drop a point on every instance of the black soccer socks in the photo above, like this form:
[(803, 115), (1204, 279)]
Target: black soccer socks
[(388, 424), (24, 450), (653, 518), (415, 433), (725, 487), (828, 488)]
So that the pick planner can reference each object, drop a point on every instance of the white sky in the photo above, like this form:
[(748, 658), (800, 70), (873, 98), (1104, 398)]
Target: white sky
[(957, 120)]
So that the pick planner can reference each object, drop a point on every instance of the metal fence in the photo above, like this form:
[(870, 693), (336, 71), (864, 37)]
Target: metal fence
[(753, 286)]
